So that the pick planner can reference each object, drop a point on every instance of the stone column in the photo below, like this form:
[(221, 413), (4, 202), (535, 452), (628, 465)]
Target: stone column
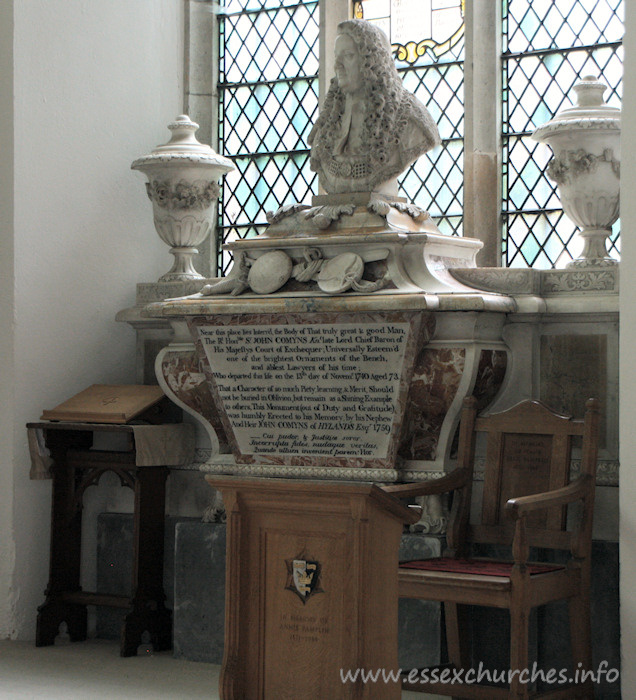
[(482, 151)]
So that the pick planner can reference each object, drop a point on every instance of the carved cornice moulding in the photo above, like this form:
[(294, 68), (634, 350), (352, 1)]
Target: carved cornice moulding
[(607, 471), (305, 472), (510, 281), (610, 123), (593, 280), (500, 280)]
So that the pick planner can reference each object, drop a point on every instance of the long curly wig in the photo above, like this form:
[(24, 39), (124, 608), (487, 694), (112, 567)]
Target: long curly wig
[(389, 105)]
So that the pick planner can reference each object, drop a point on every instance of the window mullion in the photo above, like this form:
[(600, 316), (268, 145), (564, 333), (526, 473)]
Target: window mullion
[(199, 94), (482, 144), (332, 12)]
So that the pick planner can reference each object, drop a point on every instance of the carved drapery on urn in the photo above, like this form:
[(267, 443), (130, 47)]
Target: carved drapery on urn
[(183, 188), (585, 140)]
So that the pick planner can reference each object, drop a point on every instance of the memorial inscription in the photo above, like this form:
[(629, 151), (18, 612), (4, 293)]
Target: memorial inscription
[(304, 628), (524, 472), (309, 390)]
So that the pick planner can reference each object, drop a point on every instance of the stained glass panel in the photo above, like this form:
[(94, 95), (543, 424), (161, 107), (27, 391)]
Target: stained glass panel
[(240, 6), (420, 31)]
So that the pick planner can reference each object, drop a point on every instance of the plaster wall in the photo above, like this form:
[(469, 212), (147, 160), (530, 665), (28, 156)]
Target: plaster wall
[(94, 85), (627, 366), (6, 313)]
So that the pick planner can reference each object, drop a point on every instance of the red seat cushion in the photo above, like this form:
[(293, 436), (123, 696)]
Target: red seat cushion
[(475, 566)]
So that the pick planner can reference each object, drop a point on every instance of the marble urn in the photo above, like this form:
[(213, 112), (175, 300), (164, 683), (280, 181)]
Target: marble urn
[(183, 177), (585, 140)]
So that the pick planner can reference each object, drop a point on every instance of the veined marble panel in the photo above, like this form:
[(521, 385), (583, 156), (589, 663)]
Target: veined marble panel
[(490, 376), (436, 378), (187, 383), (341, 389), (573, 368)]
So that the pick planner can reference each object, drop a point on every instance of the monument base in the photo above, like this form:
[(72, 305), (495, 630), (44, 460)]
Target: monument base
[(311, 588)]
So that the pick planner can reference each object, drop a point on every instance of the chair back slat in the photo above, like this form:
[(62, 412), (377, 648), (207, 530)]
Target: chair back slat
[(560, 476), (528, 451), (503, 534), (525, 468), (490, 510), (529, 417)]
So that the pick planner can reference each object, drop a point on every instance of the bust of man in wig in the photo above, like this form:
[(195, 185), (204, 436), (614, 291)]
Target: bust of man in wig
[(370, 128)]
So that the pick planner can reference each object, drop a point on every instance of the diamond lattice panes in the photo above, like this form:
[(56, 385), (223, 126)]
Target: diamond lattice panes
[(548, 47), (268, 102)]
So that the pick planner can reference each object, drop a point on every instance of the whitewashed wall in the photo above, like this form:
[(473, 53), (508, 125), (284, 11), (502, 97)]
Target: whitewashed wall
[(94, 85), (627, 491), (6, 316)]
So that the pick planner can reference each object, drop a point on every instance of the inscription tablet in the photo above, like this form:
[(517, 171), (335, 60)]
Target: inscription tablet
[(317, 391)]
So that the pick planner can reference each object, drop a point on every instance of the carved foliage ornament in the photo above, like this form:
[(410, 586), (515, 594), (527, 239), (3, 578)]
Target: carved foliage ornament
[(568, 165), (183, 195), (325, 215), (583, 280)]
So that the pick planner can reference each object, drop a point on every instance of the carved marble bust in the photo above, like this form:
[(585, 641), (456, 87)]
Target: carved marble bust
[(370, 128)]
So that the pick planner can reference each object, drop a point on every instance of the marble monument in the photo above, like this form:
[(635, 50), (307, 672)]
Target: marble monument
[(183, 187), (318, 354), (370, 128), (586, 141), (340, 274)]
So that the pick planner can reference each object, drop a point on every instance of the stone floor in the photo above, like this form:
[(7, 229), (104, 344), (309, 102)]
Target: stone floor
[(95, 670)]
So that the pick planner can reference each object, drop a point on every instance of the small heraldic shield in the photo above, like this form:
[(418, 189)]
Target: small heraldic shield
[(303, 577)]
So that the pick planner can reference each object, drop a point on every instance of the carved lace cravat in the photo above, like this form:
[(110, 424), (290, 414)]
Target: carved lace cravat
[(340, 146)]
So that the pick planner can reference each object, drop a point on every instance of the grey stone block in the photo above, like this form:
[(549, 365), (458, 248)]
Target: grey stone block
[(200, 598), (419, 621), (114, 566), (553, 621), (194, 579), (550, 627), (199, 608)]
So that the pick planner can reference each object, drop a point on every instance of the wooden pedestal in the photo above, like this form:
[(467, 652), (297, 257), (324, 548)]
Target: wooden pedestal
[(311, 588), (76, 467)]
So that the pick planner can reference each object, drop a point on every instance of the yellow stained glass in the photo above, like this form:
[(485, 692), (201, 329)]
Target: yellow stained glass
[(416, 26)]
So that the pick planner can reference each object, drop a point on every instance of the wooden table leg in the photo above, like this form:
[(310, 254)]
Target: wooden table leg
[(148, 613), (66, 546)]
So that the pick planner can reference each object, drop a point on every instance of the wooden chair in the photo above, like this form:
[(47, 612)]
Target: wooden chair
[(525, 497)]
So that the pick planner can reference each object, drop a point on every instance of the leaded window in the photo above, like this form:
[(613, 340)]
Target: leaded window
[(268, 102), (548, 47)]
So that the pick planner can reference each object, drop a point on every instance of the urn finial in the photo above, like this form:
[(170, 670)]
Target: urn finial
[(585, 140), (589, 91), (182, 186)]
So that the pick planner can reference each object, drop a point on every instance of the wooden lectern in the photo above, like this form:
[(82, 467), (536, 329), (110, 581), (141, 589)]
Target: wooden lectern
[(311, 588)]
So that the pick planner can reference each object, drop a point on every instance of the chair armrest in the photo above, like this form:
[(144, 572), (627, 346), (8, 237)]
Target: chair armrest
[(456, 479), (578, 489)]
